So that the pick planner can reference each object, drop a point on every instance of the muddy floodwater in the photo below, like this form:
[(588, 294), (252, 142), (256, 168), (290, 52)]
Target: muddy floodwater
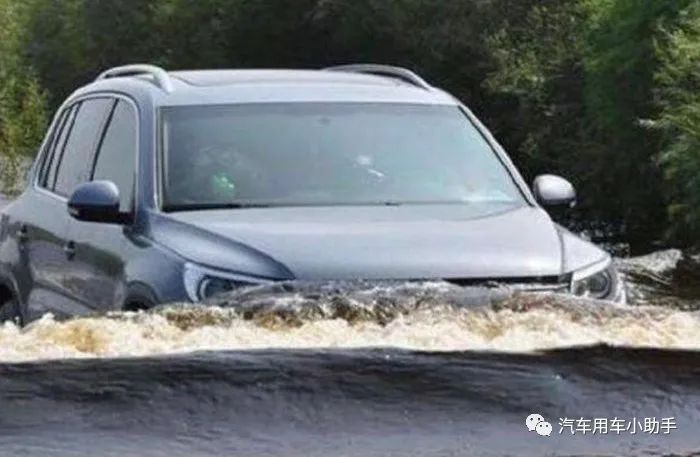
[(393, 369)]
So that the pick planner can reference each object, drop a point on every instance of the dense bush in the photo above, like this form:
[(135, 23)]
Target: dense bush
[(620, 64), (678, 81), (604, 92), (22, 101)]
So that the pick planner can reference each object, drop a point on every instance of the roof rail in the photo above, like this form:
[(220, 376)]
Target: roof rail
[(403, 74), (160, 76)]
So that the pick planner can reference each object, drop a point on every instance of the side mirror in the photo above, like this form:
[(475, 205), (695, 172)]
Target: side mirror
[(552, 190), (96, 201)]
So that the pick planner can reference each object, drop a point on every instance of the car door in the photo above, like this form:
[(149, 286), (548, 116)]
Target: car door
[(48, 248), (99, 248), (40, 225)]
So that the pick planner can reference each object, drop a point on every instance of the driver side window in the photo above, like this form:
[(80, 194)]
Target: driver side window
[(74, 159), (116, 156)]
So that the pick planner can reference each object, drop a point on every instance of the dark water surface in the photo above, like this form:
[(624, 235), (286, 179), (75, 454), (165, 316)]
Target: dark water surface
[(360, 402), (403, 371)]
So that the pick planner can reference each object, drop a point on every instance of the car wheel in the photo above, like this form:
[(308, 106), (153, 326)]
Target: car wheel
[(138, 305), (9, 311)]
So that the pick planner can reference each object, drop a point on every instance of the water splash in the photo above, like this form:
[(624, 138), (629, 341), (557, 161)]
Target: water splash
[(417, 316), (669, 278), (521, 323)]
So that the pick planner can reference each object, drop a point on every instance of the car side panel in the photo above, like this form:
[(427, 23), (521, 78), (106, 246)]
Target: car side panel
[(153, 272), (116, 266), (97, 267), (38, 262)]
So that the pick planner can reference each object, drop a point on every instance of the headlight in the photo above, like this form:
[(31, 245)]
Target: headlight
[(202, 283), (597, 281)]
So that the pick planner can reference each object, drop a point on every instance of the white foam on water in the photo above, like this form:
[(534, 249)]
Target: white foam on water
[(531, 326), (657, 262), (524, 323)]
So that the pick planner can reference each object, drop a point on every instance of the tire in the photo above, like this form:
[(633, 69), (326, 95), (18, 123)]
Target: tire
[(9, 311), (137, 306)]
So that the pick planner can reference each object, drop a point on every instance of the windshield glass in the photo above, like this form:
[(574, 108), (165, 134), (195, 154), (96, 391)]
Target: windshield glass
[(328, 154)]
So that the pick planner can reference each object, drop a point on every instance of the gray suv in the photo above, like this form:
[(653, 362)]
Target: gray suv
[(155, 186)]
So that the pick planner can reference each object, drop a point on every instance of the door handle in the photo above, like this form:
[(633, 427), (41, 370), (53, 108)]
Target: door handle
[(69, 249), (23, 234)]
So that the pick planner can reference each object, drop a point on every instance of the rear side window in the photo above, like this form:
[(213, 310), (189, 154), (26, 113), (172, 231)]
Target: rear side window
[(75, 163), (116, 158), (48, 177), (51, 142)]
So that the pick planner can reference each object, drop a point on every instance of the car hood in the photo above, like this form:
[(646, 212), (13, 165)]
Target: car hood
[(405, 242)]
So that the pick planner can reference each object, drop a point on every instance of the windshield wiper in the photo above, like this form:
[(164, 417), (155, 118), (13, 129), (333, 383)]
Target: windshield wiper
[(248, 205), (214, 206)]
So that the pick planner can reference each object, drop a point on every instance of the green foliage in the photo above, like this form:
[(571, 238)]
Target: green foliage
[(620, 63), (69, 42), (582, 73), (538, 55), (678, 80), (22, 101)]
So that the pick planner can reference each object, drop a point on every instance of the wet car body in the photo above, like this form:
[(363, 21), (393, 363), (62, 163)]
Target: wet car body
[(75, 252)]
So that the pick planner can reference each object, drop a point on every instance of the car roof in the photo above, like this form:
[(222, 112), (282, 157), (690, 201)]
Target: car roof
[(344, 84)]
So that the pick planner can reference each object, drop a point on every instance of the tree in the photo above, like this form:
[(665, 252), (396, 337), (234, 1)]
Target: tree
[(678, 95), (581, 74), (620, 63), (22, 101)]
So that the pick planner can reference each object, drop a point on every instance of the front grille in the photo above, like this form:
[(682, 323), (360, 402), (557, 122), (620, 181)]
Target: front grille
[(559, 284)]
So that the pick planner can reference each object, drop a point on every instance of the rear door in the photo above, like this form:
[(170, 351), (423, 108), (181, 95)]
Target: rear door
[(100, 249), (48, 249)]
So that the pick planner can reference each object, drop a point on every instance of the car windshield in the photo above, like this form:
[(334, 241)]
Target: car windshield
[(292, 154)]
